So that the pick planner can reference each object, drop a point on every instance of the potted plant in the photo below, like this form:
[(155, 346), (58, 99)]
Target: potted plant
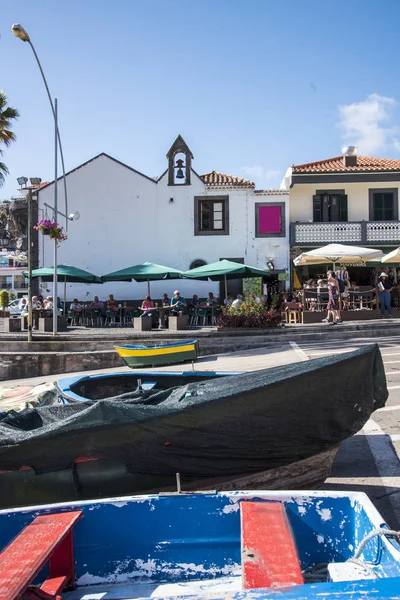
[(4, 302), (52, 229)]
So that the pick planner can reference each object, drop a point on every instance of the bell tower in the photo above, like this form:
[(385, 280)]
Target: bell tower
[(179, 162)]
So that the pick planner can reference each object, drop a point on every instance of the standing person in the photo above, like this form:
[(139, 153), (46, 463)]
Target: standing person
[(343, 279), (333, 302), (384, 287)]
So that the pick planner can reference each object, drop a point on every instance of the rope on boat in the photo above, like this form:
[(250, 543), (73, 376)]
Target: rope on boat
[(319, 572)]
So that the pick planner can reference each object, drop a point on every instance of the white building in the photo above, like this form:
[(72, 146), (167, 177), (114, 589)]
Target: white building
[(128, 218)]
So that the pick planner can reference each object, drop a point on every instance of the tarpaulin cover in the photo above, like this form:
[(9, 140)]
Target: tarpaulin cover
[(220, 427)]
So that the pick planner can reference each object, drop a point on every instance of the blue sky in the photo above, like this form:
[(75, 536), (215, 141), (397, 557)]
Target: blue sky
[(252, 85)]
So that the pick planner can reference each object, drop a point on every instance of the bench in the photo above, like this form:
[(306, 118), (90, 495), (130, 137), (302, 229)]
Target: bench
[(269, 555), (47, 539)]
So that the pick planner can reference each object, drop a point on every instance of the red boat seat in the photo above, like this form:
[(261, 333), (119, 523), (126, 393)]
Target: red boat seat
[(269, 555), (47, 539)]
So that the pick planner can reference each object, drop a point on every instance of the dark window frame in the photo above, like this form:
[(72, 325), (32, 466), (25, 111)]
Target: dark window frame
[(326, 192), (394, 191), (282, 206), (225, 208)]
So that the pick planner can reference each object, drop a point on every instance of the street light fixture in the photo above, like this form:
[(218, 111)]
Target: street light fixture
[(23, 35), (35, 180), (22, 181)]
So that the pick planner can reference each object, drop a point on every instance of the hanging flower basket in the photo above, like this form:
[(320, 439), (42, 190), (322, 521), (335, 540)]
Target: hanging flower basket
[(52, 229)]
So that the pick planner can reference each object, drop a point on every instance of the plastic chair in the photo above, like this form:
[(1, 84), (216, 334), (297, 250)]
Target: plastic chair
[(94, 316), (202, 313), (193, 315), (110, 317), (71, 317)]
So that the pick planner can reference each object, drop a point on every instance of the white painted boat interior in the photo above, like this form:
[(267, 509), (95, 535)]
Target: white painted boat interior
[(134, 590)]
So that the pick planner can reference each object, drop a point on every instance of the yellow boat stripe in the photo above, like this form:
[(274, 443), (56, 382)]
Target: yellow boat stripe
[(154, 351)]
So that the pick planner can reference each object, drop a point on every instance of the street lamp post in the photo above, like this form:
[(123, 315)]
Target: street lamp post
[(34, 181), (20, 33)]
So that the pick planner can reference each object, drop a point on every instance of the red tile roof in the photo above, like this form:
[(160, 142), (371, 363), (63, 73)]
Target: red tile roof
[(222, 180), (336, 165)]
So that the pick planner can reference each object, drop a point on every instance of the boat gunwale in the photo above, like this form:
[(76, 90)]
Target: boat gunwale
[(157, 346), (64, 385)]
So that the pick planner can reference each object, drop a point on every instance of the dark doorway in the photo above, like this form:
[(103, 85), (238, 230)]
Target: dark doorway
[(235, 286)]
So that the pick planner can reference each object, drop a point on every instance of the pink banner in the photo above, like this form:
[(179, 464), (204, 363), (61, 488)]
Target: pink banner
[(269, 219)]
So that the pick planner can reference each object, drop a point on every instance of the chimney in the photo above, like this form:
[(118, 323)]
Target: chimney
[(349, 156)]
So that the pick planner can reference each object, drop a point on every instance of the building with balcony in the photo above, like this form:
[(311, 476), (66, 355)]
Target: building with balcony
[(11, 277), (348, 199), (181, 219)]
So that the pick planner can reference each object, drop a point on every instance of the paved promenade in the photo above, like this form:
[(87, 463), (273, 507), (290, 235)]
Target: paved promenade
[(367, 462)]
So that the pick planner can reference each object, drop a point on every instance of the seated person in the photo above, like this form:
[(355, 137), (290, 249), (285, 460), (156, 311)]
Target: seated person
[(255, 298), (228, 300), (48, 303), (165, 300), (96, 303), (75, 306), (238, 302), (112, 304), (40, 301), (211, 301), (195, 300), (146, 307), (178, 303)]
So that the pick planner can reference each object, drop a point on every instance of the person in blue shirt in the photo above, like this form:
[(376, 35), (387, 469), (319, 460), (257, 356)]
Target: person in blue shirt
[(178, 303)]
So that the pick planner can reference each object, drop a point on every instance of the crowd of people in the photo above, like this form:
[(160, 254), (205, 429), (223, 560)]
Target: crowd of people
[(339, 292)]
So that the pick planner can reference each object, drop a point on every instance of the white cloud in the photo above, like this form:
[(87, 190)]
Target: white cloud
[(362, 122), (262, 175)]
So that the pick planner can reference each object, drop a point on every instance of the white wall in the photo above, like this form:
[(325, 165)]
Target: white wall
[(127, 219), (301, 198)]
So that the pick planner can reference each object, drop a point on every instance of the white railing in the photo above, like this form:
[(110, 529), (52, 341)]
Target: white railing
[(352, 232), (383, 231), (325, 233)]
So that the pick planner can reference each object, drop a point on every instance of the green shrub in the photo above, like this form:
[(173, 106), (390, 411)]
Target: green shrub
[(250, 314), (4, 299)]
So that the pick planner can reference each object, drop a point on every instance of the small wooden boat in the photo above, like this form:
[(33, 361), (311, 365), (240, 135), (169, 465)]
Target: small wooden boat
[(237, 545), (113, 385), (163, 354), (274, 428)]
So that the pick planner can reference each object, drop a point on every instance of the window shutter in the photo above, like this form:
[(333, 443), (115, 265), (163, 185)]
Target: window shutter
[(343, 208), (317, 209)]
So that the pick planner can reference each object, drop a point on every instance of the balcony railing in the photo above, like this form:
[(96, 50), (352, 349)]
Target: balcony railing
[(5, 286), (20, 285), (352, 232)]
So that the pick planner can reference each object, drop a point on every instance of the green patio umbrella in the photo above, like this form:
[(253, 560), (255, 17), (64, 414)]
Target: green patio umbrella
[(144, 272), (223, 270), (65, 273)]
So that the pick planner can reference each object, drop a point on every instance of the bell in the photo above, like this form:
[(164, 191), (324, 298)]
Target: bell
[(179, 174)]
